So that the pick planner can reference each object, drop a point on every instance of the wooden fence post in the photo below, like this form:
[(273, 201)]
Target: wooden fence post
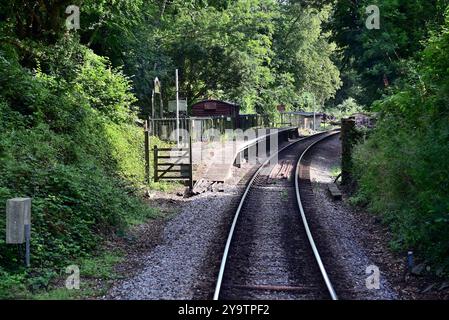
[(191, 165), (156, 177), (147, 152)]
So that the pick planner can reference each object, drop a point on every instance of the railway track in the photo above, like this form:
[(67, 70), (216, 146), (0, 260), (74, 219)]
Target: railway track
[(270, 252)]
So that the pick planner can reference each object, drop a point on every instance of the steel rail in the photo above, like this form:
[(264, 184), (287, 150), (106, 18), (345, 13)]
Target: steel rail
[(324, 274), (237, 214)]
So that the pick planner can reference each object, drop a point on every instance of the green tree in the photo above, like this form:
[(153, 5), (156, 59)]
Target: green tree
[(378, 56), (402, 168), (305, 51)]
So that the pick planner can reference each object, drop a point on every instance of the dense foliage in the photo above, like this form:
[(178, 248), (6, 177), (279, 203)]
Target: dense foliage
[(69, 141), (402, 167), (259, 53), (373, 60)]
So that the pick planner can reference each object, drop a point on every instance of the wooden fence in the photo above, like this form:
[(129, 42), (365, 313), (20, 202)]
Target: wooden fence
[(173, 164)]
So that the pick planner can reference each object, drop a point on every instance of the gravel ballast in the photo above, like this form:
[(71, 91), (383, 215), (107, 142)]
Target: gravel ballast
[(185, 262), (178, 258), (358, 239), (173, 268), (341, 232)]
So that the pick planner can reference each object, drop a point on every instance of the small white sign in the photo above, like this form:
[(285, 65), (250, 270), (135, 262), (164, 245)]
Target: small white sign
[(182, 105), (157, 86)]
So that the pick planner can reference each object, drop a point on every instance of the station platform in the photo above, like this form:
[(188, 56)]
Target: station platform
[(214, 161)]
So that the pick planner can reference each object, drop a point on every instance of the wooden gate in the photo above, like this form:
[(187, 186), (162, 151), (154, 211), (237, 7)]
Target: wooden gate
[(174, 164)]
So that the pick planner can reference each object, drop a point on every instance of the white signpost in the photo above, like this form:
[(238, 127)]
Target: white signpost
[(157, 90), (157, 86)]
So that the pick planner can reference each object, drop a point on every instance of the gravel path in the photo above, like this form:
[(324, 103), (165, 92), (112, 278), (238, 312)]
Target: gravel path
[(343, 233), (172, 269)]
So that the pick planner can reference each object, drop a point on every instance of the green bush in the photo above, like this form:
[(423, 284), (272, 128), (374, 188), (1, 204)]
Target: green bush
[(105, 89), (68, 141), (12, 285), (345, 109), (403, 167), (127, 147)]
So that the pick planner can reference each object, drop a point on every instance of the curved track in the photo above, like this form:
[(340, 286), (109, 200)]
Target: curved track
[(270, 252)]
